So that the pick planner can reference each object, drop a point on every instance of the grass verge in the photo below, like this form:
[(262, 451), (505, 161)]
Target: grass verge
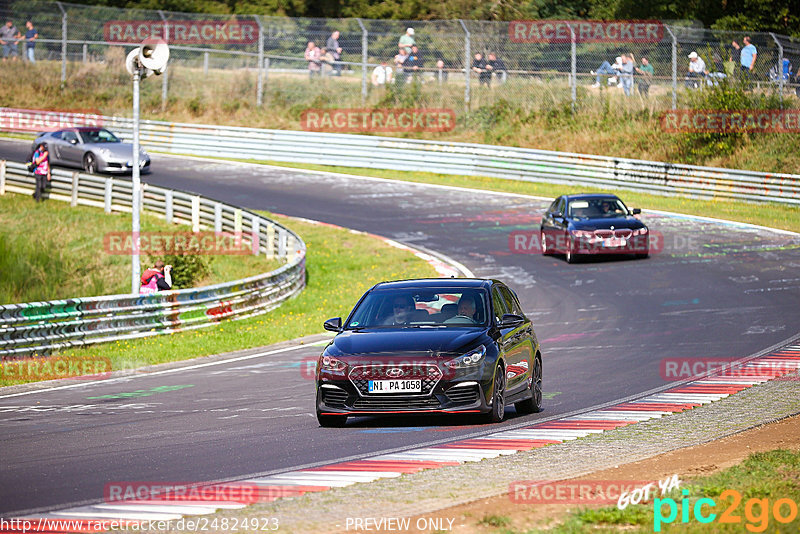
[(53, 251), (747, 496), (341, 265)]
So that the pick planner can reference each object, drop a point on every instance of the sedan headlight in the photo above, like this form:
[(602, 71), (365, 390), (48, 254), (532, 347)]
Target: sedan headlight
[(329, 363), (106, 153), (582, 234), (470, 359)]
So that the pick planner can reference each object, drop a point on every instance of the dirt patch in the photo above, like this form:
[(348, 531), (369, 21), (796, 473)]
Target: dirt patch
[(487, 515)]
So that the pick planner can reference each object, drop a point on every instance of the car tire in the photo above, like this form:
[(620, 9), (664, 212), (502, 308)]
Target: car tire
[(545, 251), (90, 163), (331, 421), (534, 403), (570, 257), (498, 411)]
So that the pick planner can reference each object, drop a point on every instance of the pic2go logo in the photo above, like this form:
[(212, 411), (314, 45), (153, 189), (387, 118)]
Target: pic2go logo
[(756, 511)]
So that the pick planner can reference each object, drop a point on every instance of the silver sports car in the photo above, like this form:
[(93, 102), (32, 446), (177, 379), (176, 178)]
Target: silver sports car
[(92, 149)]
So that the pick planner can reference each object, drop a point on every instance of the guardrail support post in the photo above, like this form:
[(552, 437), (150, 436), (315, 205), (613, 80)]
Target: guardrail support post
[(75, 183), (255, 236), (270, 241), (674, 68), (364, 50), (467, 63), (165, 74), (107, 196), (169, 206), (63, 42), (218, 217), (260, 63), (2, 177), (195, 214), (281, 243), (237, 223), (290, 249)]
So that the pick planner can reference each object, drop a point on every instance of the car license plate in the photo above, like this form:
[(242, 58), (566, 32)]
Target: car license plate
[(395, 386), (615, 242)]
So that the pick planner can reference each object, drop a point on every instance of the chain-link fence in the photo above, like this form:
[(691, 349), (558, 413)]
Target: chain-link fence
[(456, 64)]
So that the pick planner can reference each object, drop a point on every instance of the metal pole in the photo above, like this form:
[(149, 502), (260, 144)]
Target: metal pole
[(467, 56), (63, 42), (205, 62), (674, 68), (260, 60), (573, 73), (780, 67), (364, 51), (85, 52), (165, 79), (136, 188)]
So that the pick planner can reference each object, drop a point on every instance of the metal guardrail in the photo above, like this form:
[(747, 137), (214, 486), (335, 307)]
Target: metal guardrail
[(42, 327), (463, 158)]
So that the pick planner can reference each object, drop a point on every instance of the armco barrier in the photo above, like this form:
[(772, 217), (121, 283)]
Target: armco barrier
[(461, 158), (41, 327)]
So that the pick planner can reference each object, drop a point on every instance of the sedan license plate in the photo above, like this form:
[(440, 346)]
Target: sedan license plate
[(615, 242), (395, 386)]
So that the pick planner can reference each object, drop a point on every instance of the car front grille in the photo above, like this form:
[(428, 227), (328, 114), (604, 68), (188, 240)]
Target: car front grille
[(622, 232), (396, 403), (428, 373), (463, 395)]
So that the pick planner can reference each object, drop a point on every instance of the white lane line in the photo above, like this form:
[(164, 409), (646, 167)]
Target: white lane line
[(478, 451), (228, 505), (453, 454), (685, 397), (267, 482), (155, 373)]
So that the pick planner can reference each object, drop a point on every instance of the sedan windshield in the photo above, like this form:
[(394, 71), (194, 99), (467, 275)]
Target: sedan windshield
[(597, 208), (99, 136), (421, 308)]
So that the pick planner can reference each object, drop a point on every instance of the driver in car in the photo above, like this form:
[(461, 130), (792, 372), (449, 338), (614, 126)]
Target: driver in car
[(466, 309), (608, 207), (402, 310)]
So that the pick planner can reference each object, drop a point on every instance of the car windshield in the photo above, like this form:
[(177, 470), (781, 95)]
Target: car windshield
[(99, 136), (421, 308), (597, 208)]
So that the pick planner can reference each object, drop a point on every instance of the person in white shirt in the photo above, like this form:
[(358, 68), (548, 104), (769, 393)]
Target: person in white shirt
[(382, 75), (696, 72)]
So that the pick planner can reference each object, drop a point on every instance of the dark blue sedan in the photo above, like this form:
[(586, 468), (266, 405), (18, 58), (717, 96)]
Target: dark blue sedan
[(430, 346), (576, 225)]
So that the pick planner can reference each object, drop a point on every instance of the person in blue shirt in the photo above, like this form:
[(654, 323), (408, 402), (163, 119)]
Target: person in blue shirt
[(30, 41), (747, 56)]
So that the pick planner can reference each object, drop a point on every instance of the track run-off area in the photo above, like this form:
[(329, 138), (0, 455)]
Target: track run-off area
[(609, 329)]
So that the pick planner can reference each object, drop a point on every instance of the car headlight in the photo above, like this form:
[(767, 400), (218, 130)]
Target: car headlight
[(329, 363), (584, 234), (640, 231), (470, 359), (106, 153)]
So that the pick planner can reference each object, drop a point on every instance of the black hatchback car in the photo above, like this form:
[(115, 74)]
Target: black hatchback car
[(576, 225), (430, 346)]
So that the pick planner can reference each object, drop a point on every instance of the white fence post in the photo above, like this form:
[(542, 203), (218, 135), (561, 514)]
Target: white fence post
[(107, 196), (3, 177), (169, 206), (74, 193), (195, 214)]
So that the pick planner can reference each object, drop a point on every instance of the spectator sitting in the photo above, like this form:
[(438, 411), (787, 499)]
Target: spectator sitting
[(399, 64), (156, 278), (9, 37), (697, 70), (406, 41), (327, 60), (480, 65), (498, 67), (382, 75), (646, 78), (336, 51), (312, 55), (608, 69)]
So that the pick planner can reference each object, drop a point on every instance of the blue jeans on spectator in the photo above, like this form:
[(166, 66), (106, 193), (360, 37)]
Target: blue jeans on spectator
[(10, 49), (627, 83), (605, 68), (29, 53)]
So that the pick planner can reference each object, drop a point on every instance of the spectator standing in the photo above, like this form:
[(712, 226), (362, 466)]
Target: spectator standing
[(407, 41), (312, 55), (9, 38), (697, 70), (399, 66), (41, 161), (647, 72), (626, 73), (480, 65), (498, 67), (31, 34), (441, 71), (327, 62), (333, 47), (749, 53), (413, 64), (382, 75)]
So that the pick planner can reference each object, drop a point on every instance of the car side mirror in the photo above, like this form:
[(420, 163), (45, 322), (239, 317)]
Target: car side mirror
[(636, 211), (333, 325), (511, 320)]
